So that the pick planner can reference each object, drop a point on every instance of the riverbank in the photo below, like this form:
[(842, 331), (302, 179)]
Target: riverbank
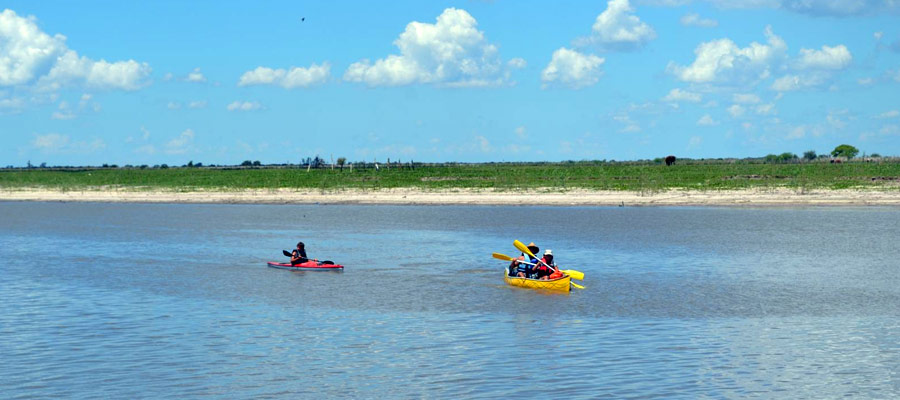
[(406, 196)]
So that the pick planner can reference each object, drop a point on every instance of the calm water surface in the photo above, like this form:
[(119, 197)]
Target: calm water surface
[(150, 301)]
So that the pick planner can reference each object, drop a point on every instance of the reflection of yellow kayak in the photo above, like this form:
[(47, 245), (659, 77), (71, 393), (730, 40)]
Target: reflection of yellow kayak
[(558, 284)]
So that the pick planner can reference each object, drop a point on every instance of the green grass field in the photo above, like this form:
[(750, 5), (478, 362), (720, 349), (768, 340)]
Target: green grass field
[(554, 176)]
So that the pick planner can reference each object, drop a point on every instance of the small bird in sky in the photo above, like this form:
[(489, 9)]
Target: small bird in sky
[(302, 19)]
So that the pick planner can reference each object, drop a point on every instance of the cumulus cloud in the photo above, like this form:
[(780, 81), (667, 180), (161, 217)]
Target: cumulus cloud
[(292, 78), (696, 20), (707, 120), (55, 143), (451, 52), (617, 28), (840, 8), (722, 62), (834, 8), (572, 69), (197, 104), (63, 111), (196, 76), (837, 57), (678, 95), (244, 106), (736, 110), (745, 98), (766, 109), (517, 63), (814, 68), (890, 114), (181, 144), (30, 57)]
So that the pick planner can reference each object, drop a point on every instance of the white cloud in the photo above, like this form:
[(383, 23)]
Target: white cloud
[(521, 133), (484, 144), (50, 141), (837, 57), (517, 63), (676, 95), (890, 114), (840, 8), (11, 104), (629, 124), (814, 69), (748, 98), (736, 110), (723, 62), (451, 52), (173, 105), (797, 133), (813, 79), (54, 143), (197, 104), (835, 121), (181, 144), (878, 35), (617, 28), (707, 120), (196, 76), (835, 8), (146, 149), (244, 106), (63, 112), (295, 77), (572, 69), (865, 81), (695, 20), (766, 109), (694, 142)]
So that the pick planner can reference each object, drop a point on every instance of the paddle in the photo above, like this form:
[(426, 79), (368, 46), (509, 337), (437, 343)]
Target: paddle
[(326, 262), (505, 257), (571, 272)]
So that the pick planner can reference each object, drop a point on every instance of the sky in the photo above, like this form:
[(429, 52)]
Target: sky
[(94, 82)]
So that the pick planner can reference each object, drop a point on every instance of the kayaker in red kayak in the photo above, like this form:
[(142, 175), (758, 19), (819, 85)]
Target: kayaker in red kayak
[(298, 256)]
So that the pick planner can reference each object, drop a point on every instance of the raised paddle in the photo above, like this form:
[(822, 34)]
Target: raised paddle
[(505, 257), (326, 262), (571, 272)]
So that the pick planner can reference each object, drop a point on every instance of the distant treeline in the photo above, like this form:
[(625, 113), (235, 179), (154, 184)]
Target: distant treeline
[(784, 158), (644, 176)]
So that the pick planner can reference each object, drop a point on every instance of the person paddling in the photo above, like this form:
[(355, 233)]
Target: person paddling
[(298, 256), (522, 269), (545, 267)]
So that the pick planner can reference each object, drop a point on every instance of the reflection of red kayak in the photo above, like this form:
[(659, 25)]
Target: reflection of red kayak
[(307, 266)]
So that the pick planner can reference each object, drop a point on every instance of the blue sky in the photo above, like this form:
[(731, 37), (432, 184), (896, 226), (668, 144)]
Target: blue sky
[(87, 83)]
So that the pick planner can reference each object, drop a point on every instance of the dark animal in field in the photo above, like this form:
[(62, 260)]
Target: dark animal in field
[(836, 161), (670, 160)]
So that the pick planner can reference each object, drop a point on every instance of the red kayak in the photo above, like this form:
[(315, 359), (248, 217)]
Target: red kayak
[(311, 265)]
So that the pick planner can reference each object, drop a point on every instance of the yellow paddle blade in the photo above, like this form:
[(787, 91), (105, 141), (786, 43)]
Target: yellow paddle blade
[(503, 257), (523, 248), (574, 274), (575, 285)]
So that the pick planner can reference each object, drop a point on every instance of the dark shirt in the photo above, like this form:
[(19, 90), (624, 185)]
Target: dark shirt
[(299, 253)]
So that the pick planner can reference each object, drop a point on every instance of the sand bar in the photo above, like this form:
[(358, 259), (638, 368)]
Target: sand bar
[(576, 197)]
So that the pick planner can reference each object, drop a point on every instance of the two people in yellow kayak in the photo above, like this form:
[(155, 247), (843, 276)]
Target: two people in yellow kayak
[(543, 269)]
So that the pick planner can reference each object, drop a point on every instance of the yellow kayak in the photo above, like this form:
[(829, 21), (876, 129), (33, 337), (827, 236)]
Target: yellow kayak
[(558, 284)]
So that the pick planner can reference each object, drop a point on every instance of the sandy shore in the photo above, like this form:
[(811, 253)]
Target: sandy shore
[(756, 197)]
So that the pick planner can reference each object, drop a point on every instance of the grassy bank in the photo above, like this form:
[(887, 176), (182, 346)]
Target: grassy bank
[(578, 175)]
